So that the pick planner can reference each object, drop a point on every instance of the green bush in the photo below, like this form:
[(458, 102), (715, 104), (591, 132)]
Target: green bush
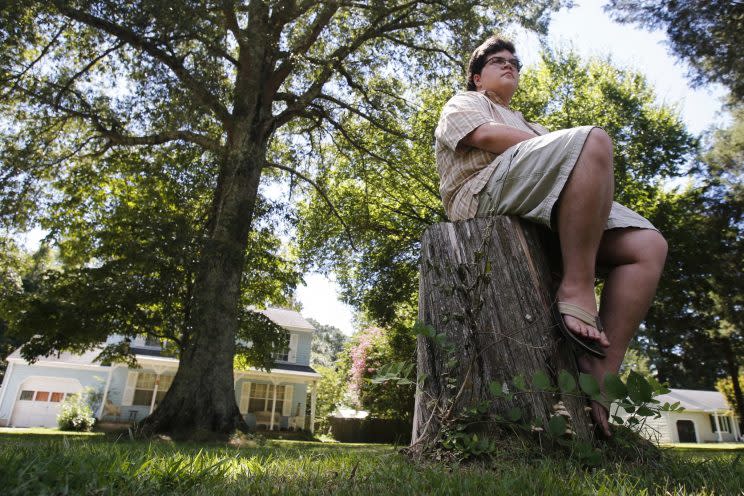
[(75, 414)]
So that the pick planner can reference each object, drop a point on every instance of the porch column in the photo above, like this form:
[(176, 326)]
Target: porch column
[(273, 409), (105, 391), (313, 399), (4, 389), (718, 427), (154, 392)]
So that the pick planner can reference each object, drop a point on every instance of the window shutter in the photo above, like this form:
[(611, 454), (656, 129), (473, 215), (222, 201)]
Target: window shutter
[(244, 397), (293, 348), (287, 405), (128, 396)]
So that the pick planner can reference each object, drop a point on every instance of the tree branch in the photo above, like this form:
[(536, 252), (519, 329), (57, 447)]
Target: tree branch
[(420, 48), (334, 59), (321, 193), (379, 125), (43, 53), (163, 137), (195, 86), (82, 71), (231, 22)]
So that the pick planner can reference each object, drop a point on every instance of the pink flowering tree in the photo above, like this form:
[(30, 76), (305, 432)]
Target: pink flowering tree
[(369, 350)]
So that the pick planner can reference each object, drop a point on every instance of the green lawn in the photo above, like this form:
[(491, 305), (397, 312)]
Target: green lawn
[(37, 462)]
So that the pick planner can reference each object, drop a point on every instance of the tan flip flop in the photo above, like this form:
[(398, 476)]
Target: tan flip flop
[(560, 309)]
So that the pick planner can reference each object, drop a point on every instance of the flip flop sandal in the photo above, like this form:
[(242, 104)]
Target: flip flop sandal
[(590, 346)]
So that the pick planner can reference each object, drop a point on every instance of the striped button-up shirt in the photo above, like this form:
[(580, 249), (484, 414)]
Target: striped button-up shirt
[(463, 173)]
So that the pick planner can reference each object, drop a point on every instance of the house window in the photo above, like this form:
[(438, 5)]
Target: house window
[(262, 397), (146, 386), (724, 422), (288, 354), (27, 395), (57, 397), (42, 396), (282, 356)]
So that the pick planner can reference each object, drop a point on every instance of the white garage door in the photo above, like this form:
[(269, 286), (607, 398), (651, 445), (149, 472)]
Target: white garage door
[(39, 400)]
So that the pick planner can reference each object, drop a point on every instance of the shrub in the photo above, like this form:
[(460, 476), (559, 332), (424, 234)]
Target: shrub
[(75, 414)]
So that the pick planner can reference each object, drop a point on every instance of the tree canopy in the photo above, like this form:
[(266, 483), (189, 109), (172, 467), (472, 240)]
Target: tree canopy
[(328, 341), (707, 34)]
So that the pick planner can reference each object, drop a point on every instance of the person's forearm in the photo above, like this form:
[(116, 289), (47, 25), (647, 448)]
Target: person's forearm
[(494, 138)]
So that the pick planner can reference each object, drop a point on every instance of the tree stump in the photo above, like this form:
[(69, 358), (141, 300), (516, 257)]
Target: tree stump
[(486, 284)]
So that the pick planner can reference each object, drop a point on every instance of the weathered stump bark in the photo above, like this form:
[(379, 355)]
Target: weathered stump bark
[(487, 285)]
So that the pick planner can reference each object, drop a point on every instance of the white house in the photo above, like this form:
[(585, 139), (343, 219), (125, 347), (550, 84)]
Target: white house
[(31, 394), (705, 418)]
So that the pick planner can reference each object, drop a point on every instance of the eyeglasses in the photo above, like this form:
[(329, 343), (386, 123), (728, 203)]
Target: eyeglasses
[(501, 62)]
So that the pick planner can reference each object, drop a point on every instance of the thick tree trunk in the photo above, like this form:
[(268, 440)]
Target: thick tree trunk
[(202, 397), (486, 284), (732, 366)]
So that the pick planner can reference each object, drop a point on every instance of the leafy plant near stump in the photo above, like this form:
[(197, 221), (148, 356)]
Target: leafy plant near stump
[(458, 438)]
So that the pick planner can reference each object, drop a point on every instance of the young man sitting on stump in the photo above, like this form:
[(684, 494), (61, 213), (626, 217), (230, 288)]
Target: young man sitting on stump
[(491, 161)]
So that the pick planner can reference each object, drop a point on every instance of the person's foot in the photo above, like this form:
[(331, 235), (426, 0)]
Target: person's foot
[(601, 418), (599, 413), (588, 303)]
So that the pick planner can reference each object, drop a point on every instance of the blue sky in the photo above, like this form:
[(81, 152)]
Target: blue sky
[(590, 32)]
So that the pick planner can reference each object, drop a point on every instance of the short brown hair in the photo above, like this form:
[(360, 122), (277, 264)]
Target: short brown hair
[(478, 59)]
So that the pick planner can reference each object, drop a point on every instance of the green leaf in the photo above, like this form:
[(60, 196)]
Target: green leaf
[(520, 383), (639, 389), (514, 413), (566, 381), (618, 420), (645, 411), (614, 387), (541, 381), (496, 389), (588, 384), (656, 386), (557, 425), (423, 329)]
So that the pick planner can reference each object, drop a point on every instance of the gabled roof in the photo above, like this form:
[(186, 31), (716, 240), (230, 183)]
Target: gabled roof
[(289, 319), (696, 400), (86, 358)]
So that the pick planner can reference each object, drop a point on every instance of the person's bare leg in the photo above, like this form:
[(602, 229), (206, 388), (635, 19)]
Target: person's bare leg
[(636, 258), (583, 208)]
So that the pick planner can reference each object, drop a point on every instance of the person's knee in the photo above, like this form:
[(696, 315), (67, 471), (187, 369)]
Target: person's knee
[(600, 139), (599, 146), (656, 248)]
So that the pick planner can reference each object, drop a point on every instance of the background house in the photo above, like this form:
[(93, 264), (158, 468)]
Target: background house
[(31, 394), (705, 418)]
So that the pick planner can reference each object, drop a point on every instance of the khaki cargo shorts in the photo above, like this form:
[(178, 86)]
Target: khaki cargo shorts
[(531, 176)]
